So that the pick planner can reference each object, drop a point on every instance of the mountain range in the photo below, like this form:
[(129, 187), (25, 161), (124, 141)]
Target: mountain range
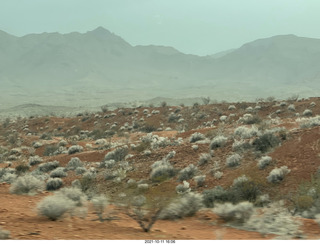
[(99, 67)]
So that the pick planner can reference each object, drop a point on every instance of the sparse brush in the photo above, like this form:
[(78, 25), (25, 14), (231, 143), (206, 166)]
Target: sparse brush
[(241, 146), (27, 184), (183, 188), (266, 141), (74, 163), (187, 173), (75, 149), (118, 154), (50, 150), (46, 167), (291, 107), (55, 206), (215, 195), (80, 170), (238, 213), (217, 175), (162, 170), (245, 132), (185, 206), (54, 184), (100, 203), (197, 136), (74, 194), (4, 234), (35, 160), (307, 112), (233, 160), (278, 174), (200, 179), (264, 162), (275, 219), (204, 159), (312, 122), (21, 169), (218, 141), (143, 187), (59, 172)]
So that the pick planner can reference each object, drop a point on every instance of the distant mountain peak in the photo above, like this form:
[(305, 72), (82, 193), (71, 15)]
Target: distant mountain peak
[(100, 32)]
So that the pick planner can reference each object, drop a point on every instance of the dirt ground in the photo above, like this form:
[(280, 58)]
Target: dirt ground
[(19, 216)]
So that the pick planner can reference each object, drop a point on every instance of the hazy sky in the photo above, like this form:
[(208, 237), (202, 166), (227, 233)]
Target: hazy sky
[(192, 26)]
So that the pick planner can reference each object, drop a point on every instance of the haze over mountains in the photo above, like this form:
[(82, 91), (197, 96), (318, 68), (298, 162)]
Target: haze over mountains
[(99, 67)]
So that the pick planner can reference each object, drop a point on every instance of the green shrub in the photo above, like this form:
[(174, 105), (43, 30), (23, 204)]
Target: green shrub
[(266, 142)]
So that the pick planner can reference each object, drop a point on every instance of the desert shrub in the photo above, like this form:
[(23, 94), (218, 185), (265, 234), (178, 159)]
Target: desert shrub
[(45, 136), (143, 187), (250, 119), (262, 200), (217, 175), (100, 203), (170, 155), (162, 170), (291, 107), (204, 159), (80, 170), (118, 154), (218, 141), (59, 172), (197, 136), (108, 164), (74, 163), (142, 146), (185, 206), (240, 146), (147, 128), (54, 184), (88, 183), (97, 134), (4, 234), (173, 118), (245, 132), (39, 175), (75, 149), (215, 195), (312, 122), (274, 219), (264, 162), (233, 160), (46, 167), (50, 150), (265, 142), (54, 207), (35, 160), (26, 184), (7, 175), (74, 194), (307, 112), (238, 213), (200, 179), (183, 188), (304, 203), (21, 169), (278, 174), (188, 172), (62, 143), (245, 189)]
